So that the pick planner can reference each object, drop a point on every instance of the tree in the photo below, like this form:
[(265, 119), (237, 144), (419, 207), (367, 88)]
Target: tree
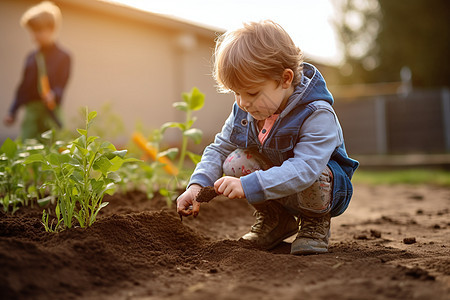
[(379, 37)]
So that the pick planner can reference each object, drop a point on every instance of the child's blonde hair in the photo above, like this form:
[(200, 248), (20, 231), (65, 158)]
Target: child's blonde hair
[(259, 51), (43, 15)]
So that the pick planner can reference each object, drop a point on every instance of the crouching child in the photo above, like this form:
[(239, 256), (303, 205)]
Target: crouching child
[(282, 146)]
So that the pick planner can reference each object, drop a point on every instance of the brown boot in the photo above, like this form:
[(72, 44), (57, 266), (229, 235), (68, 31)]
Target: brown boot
[(273, 225), (313, 235)]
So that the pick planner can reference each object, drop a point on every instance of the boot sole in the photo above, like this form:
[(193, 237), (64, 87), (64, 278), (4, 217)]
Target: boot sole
[(309, 251), (305, 249)]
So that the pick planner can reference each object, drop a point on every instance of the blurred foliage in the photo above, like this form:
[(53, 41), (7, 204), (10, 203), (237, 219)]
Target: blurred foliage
[(109, 124), (410, 176), (379, 37)]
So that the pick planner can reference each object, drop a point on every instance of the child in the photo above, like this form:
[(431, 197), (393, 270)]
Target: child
[(46, 73), (281, 148)]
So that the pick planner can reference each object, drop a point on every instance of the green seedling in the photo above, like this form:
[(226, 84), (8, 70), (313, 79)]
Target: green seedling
[(12, 171), (83, 174), (139, 176), (192, 101)]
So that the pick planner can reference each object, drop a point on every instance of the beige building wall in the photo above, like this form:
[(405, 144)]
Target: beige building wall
[(139, 62)]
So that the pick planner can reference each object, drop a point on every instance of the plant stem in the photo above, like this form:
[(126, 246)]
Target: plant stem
[(185, 141)]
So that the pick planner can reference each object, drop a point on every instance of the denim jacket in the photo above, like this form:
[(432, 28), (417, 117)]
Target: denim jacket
[(292, 171)]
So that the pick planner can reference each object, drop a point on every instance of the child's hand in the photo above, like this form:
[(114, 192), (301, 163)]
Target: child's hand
[(185, 200), (9, 120), (230, 187)]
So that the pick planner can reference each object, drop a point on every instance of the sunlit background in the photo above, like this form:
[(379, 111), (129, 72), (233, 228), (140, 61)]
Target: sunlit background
[(310, 23), (386, 63)]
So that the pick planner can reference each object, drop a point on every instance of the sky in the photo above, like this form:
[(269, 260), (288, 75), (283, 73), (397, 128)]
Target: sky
[(309, 22)]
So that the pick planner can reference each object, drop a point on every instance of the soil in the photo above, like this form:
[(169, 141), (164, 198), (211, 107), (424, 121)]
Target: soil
[(206, 194), (139, 249)]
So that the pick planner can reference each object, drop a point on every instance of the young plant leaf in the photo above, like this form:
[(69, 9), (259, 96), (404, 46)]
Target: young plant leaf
[(195, 134), (103, 164), (9, 147), (120, 153), (116, 163), (91, 139), (164, 192), (196, 99), (34, 158), (109, 189), (108, 145), (53, 159), (114, 177), (77, 176), (195, 158), (92, 115), (183, 106), (82, 131), (170, 153), (80, 142), (172, 125), (186, 97), (131, 159), (47, 134), (44, 201), (190, 122), (75, 191)]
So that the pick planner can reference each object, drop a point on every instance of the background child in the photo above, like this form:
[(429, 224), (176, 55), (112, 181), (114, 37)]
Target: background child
[(282, 147), (45, 76)]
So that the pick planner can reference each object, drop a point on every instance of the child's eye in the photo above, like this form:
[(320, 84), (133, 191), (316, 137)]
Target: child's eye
[(252, 94)]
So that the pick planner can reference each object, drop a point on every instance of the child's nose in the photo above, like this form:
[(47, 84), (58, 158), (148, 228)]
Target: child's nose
[(245, 104)]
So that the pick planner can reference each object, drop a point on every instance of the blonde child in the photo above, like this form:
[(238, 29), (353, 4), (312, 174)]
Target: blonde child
[(46, 73), (281, 148)]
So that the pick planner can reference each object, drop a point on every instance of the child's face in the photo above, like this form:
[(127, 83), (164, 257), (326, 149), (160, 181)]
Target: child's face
[(264, 100), (43, 37)]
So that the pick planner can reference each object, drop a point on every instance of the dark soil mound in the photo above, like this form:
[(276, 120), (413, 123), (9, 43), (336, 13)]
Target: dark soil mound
[(139, 249), (115, 249)]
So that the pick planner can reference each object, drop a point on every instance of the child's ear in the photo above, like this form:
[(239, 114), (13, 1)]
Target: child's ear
[(287, 78)]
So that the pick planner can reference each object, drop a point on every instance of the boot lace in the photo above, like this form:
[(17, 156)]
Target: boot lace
[(314, 227), (259, 225)]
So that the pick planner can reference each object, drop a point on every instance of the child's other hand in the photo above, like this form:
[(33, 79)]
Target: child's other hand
[(230, 187), (185, 200), (9, 120)]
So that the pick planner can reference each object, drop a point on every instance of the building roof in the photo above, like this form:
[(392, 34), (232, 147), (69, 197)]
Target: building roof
[(132, 13)]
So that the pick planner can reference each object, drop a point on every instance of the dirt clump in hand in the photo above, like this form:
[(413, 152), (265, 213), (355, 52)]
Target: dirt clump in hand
[(206, 194)]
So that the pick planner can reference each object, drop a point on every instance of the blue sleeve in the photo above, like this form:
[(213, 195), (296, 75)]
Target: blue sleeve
[(319, 136), (209, 169)]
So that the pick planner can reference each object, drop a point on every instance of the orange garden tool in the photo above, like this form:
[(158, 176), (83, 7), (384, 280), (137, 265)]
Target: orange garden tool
[(45, 91), (44, 87), (143, 143)]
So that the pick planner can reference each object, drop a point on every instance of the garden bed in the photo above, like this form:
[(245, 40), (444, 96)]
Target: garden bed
[(139, 249)]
